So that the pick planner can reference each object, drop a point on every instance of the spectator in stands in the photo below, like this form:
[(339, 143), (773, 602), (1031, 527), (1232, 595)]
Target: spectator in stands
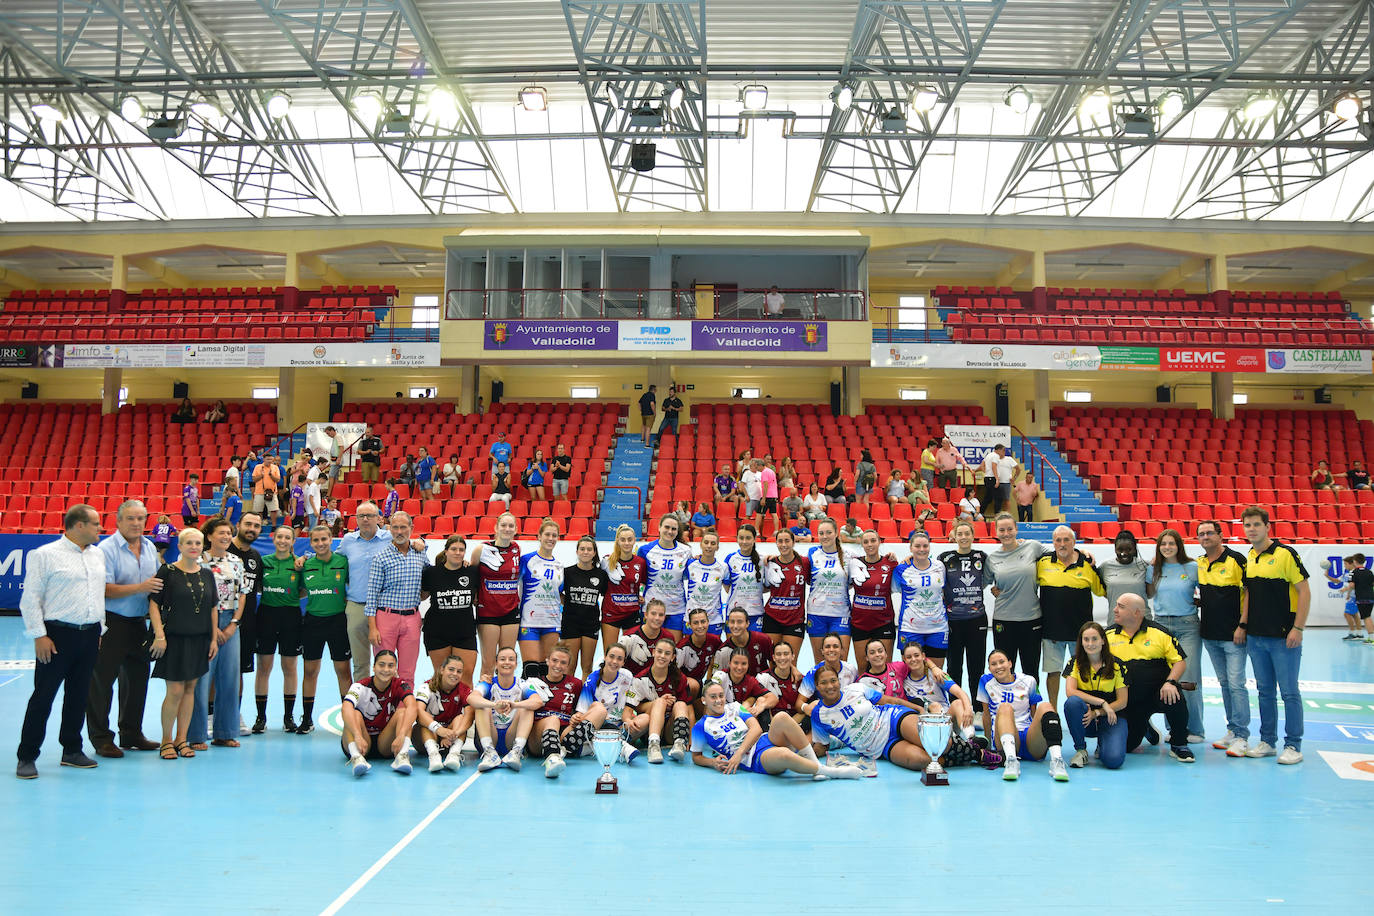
[(250, 464), (452, 473), (969, 506), (1008, 469), (406, 472), (335, 458), (370, 464), (190, 501), (266, 484), (928, 462), (792, 506), (534, 474), (682, 511), (865, 476), (752, 485), (234, 473), (481, 406), (1357, 476), (727, 488), (672, 412), (1027, 491), (988, 470), (164, 533), (217, 414), (1323, 479), (773, 302), (1154, 664), (947, 462), (850, 532), (231, 506), (744, 462), (834, 487), (562, 471), (895, 488), (500, 484), (500, 451), (425, 478), (813, 504), (1221, 588), (917, 493), (701, 520), (331, 516), (392, 502), (648, 406), (800, 532), (296, 500), (1124, 573), (1278, 599), (787, 473), (185, 412), (768, 482), (313, 504), (1173, 586)]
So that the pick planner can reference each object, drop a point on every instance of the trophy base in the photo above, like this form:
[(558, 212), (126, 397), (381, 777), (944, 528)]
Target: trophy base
[(607, 787), (940, 778)]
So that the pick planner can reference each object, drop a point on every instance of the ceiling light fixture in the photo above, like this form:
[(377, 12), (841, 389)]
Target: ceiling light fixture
[(1348, 107), (441, 105), (534, 98), (843, 96), (676, 94), (369, 107), (278, 105), (923, 98), (1018, 99), (207, 109), (754, 97), (1096, 104), (1259, 105), (48, 109), (131, 109), (1170, 106)]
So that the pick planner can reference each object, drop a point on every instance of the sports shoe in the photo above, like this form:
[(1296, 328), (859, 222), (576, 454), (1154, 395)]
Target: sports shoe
[(1237, 748), (1352, 636), (989, 759), (678, 751), (436, 763), (453, 760), (243, 727), (1369, 640), (1181, 753), (848, 770), (655, 753), (1224, 741), (513, 760), (1263, 749), (306, 727), (553, 766), (1058, 772), (1079, 759), (259, 725), (868, 766), (1011, 769), (1290, 755), (490, 760), (288, 724), (1197, 739), (79, 760), (360, 766), (1152, 735), (402, 763), (628, 752)]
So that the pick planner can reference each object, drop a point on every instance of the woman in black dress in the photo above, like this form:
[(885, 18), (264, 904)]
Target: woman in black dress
[(182, 614), (450, 626)]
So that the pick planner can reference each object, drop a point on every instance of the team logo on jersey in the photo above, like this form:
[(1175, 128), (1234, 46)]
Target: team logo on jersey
[(595, 582)]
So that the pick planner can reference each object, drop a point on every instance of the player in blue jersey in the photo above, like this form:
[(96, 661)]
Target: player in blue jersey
[(1028, 728), (737, 740), (832, 657), (703, 582), (868, 721), (827, 600), (665, 560), (505, 708), (541, 601), (746, 576), (602, 705)]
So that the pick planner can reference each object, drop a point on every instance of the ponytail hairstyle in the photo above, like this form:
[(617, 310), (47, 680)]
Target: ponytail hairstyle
[(438, 677), (613, 558)]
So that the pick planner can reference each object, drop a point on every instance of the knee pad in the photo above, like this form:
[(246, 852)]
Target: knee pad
[(1051, 728), (534, 669)]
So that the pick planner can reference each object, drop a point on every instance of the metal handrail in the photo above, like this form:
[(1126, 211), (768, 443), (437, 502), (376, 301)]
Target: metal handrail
[(1030, 452), (635, 302)]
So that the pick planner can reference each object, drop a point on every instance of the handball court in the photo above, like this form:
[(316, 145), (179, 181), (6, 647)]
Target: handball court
[(281, 826)]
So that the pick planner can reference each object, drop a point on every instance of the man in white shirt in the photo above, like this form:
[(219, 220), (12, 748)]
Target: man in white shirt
[(1007, 470), (64, 614), (773, 303), (752, 481)]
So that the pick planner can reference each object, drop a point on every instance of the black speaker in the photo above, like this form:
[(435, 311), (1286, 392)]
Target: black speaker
[(180, 390), (836, 399), (643, 157), (1162, 394), (29, 392), (498, 388), (1003, 405), (1321, 396)]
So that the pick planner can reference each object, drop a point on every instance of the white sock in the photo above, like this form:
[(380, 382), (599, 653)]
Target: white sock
[(406, 747), (655, 740), (353, 749), (1008, 746), (518, 746), (485, 743), (967, 732), (1056, 752), (809, 753), (431, 747)]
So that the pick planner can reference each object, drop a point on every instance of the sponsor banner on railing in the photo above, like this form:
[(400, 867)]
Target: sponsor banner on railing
[(1210, 359), (550, 335), (235, 355), (737, 336), (655, 335), (16, 355), (984, 356), (973, 442), (1316, 360), (1079, 358), (759, 336)]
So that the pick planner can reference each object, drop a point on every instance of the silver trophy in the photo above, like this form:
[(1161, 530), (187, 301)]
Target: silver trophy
[(934, 729), (606, 746)]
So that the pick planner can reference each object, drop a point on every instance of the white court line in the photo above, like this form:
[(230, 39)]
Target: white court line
[(1314, 686), (396, 850), (10, 680)]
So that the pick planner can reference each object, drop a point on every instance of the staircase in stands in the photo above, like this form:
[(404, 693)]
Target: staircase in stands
[(1079, 502), (631, 466)]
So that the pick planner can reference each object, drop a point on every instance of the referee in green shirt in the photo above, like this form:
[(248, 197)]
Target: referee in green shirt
[(279, 627), (325, 583)]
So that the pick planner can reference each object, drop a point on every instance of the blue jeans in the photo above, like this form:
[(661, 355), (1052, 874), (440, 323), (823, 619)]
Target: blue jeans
[(225, 674), (1111, 739), (1187, 628), (1228, 661), (1276, 672)]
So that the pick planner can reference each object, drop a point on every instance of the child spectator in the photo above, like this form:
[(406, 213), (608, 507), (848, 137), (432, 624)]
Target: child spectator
[(231, 507), (331, 516), (392, 501), (164, 533), (190, 501), (297, 502)]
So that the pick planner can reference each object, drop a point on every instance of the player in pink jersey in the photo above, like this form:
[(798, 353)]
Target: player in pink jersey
[(878, 671)]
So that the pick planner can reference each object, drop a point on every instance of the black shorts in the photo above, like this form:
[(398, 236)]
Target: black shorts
[(373, 751), (580, 624), (279, 630), (248, 635), (190, 521), (769, 504), (633, 619), (773, 625), (1365, 608), (860, 638), (509, 620), (442, 629), (317, 632)]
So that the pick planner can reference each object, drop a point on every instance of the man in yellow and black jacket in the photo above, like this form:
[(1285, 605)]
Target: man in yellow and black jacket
[(1068, 580), (1154, 662), (1221, 598)]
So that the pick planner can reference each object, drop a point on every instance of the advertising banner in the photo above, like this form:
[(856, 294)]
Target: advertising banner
[(1315, 360), (349, 433), (973, 442), (246, 354), (983, 356), (737, 336), (654, 335), (1146, 358), (550, 335), (1078, 358), (759, 336), (1210, 359), (16, 355)]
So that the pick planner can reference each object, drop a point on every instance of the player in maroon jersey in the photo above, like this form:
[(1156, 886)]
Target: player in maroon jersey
[(378, 712), (871, 614), (628, 574), (757, 647), (498, 599), (783, 679), (697, 649), (740, 687), (560, 691), (443, 716), (662, 697), (786, 575), (638, 641)]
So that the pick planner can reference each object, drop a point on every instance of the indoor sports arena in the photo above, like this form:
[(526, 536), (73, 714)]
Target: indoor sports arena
[(894, 431)]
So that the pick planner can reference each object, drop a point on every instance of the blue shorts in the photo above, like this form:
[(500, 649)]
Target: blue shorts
[(675, 622), (755, 764), (756, 624), (501, 747), (1351, 608), (534, 634), (937, 641), (824, 626), (895, 715), (716, 628), (1022, 751)]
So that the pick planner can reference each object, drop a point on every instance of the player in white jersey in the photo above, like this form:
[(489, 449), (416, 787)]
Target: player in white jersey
[(703, 582), (746, 576), (1028, 728), (866, 720), (602, 705), (737, 740), (541, 600), (918, 587), (505, 708), (832, 657), (925, 683), (665, 560), (827, 599)]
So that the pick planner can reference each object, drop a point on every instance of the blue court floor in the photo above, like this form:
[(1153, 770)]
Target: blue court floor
[(280, 826)]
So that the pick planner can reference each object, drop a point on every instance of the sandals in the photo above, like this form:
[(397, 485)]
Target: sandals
[(167, 751), (184, 750), (225, 742)]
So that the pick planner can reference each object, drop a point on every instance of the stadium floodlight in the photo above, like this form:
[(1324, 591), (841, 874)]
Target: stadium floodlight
[(278, 105), (442, 105), (534, 98), (1018, 99), (754, 97), (48, 109), (131, 109), (1170, 106), (1259, 105), (207, 109), (1096, 104), (923, 98), (675, 95), (369, 107), (843, 96), (1348, 107)]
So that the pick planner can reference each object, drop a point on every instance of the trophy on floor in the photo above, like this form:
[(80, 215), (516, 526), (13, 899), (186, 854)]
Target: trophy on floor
[(934, 729), (606, 746)]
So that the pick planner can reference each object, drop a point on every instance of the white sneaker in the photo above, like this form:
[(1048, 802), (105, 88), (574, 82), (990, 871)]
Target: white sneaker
[(1290, 755), (1011, 769), (655, 752), (490, 760), (402, 763), (1058, 771), (868, 767), (1239, 747), (1263, 749), (553, 766), (1079, 759), (453, 760), (360, 766), (1197, 739), (436, 763), (628, 752), (678, 751), (1224, 742), (513, 760), (848, 771), (243, 727)]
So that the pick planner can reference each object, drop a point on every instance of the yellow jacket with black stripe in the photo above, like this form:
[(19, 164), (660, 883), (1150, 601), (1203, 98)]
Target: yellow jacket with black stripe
[(1221, 582), (1272, 577), (1066, 594), (1148, 654)]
